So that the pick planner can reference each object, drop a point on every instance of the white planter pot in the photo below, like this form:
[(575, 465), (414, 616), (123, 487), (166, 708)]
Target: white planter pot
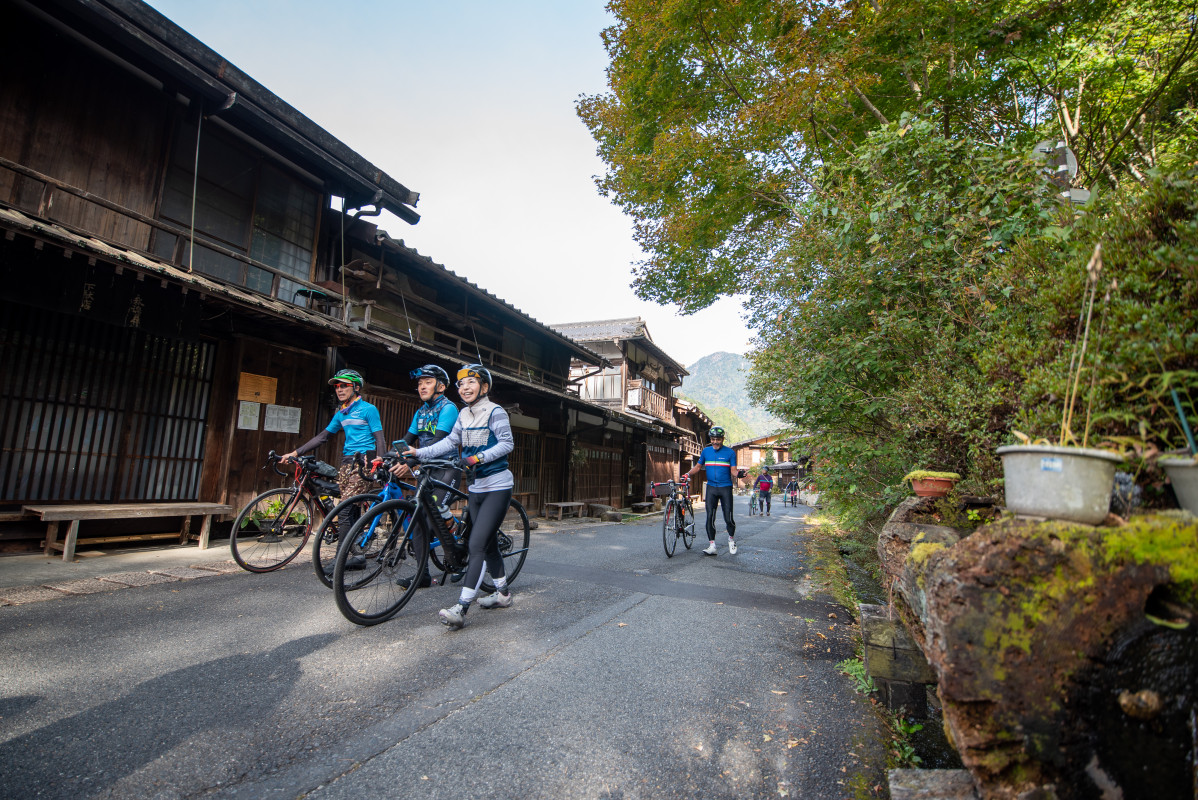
[(1068, 483), (1183, 474)]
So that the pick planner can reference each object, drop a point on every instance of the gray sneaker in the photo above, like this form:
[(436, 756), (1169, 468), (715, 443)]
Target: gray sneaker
[(454, 616), (496, 600)]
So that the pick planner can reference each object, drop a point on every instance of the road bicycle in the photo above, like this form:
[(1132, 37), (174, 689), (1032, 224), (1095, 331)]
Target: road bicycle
[(753, 503), (388, 539), (273, 527), (679, 520), (349, 510)]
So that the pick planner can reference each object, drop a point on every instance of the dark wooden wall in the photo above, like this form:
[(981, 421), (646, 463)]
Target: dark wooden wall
[(72, 115)]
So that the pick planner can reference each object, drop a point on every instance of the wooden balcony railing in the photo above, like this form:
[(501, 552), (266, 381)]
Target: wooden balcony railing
[(648, 401)]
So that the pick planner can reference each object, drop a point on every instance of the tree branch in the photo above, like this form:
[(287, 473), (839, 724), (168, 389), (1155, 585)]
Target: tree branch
[(869, 106)]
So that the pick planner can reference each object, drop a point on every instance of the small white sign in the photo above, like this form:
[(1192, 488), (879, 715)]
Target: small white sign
[(283, 419), (247, 415), (1051, 464)]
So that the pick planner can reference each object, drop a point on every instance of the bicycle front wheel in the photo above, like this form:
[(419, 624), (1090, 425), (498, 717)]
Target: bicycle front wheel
[(331, 533), (686, 519), (378, 568), (271, 529), (514, 536), (669, 531)]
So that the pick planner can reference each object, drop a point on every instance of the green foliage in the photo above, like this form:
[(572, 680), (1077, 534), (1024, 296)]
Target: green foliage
[(855, 669), (860, 173)]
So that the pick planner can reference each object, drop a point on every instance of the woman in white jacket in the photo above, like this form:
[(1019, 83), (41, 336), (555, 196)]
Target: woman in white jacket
[(483, 434)]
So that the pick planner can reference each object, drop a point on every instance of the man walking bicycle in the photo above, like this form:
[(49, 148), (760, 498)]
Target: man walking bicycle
[(720, 463)]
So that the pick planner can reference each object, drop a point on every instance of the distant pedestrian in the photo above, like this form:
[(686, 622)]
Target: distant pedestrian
[(764, 485), (792, 491), (720, 463)]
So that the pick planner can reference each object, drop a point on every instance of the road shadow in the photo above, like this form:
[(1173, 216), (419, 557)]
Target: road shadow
[(84, 754)]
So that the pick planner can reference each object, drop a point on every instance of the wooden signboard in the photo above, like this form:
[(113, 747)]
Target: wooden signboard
[(257, 388)]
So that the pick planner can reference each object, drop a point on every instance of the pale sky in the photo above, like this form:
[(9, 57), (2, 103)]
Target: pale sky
[(470, 103)]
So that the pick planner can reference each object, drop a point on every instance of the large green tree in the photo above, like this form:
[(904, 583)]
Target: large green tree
[(722, 115)]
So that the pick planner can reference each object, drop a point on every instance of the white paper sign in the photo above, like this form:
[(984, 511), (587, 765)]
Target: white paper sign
[(247, 415), (284, 419)]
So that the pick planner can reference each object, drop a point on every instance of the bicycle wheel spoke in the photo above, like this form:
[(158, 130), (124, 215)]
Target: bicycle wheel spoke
[(271, 530), (379, 566), (331, 532), (669, 530), (688, 526)]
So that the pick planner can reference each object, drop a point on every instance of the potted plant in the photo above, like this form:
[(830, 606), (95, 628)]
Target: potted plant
[(1063, 480), (926, 483)]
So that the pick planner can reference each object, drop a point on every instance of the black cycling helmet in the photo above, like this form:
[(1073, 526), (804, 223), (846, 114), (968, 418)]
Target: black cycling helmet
[(476, 371), (716, 433), (348, 376), (765, 469), (430, 371)]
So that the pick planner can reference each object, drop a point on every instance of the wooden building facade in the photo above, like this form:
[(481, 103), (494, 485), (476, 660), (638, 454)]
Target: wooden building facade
[(664, 435), (185, 259)]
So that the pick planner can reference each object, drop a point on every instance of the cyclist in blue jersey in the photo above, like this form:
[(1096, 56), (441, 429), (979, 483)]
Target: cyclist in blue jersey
[(431, 423), (363, 434), (484, 435), (720, 463)]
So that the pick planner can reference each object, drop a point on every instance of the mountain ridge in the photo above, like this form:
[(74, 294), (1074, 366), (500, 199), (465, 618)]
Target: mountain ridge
[(717, 385)]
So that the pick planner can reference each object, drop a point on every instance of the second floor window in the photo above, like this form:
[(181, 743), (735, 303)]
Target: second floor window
[(243, 203)]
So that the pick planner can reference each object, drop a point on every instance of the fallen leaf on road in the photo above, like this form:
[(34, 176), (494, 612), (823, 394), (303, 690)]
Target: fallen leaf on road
[(802, 676), (767, 737), (792, 743), (775, 691), (621, 624), (820, 635)]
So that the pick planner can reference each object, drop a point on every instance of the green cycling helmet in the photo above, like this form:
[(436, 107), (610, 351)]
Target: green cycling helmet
[(348, 376), (716, 433)]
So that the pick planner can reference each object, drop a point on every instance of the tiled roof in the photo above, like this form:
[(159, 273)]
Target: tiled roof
[(604, 329)]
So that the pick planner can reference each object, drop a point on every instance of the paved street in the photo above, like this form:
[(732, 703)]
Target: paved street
[(618, 673)]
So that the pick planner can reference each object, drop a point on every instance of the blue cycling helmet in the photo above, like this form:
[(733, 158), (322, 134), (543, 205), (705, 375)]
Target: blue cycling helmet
[(430, 371)]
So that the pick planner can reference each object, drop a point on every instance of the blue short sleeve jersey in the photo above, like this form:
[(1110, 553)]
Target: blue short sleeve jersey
[(719, 465), (360, 421)]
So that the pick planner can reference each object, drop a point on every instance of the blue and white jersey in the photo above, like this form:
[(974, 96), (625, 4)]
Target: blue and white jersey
[(483, 431), (360, 421)]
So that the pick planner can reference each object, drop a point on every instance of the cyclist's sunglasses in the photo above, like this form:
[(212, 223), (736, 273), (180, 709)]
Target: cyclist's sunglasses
[(339, 384)]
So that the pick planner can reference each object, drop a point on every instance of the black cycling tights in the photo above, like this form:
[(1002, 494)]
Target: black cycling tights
[(717, 495), (487, 510)]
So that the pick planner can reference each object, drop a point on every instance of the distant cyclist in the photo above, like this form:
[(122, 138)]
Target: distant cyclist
[(363, 435), (720, 463), (484, 434), (764, 486), (792, 491), (431, 423)]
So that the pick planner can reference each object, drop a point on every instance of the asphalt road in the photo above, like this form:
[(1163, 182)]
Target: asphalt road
[(618, 673)]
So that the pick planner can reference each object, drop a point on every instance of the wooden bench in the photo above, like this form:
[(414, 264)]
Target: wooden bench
[(52, 515), (563, 510)]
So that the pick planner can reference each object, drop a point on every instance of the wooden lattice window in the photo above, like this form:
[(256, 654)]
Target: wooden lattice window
[(95, 412)]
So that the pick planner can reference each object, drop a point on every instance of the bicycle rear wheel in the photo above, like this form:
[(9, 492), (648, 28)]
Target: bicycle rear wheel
[(329, 534), (383, 549), (271, 529), (669, 529), (687, 521), (514, 537)]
